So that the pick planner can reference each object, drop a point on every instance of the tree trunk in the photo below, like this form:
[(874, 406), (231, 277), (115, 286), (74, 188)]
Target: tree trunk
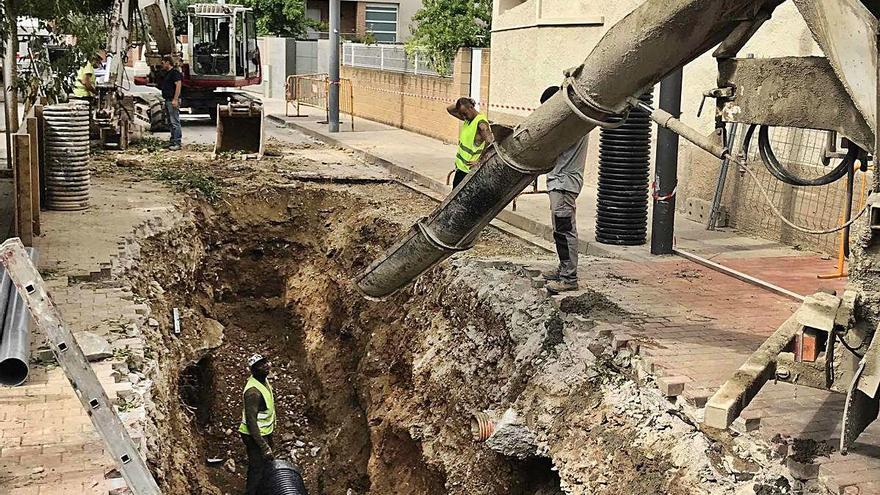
[(10, 66)]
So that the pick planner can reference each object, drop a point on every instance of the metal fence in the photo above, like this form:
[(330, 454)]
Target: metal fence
[(312, 89), (391, 58), (799, 151)]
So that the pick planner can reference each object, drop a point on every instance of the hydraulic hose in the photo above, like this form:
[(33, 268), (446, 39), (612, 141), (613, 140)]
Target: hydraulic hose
[(768, 158)]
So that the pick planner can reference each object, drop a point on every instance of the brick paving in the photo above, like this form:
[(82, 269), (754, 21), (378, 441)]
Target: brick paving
[(47, 442), (699, 325)]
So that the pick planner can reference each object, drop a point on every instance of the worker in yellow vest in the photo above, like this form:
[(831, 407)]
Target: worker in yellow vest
[(473, 137), (257, 421)]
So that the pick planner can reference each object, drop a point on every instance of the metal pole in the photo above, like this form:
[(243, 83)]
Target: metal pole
[(722, 178), (333, 116), (666, 169)]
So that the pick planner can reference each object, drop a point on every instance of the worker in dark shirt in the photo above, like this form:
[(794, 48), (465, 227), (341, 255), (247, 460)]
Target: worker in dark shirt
[(257, 421), (171, 86)]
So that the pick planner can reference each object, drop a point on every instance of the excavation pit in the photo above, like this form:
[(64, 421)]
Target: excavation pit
[(273, 269)]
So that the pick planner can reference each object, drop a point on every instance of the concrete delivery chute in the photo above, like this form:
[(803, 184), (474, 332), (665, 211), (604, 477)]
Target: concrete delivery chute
[(828, 343)]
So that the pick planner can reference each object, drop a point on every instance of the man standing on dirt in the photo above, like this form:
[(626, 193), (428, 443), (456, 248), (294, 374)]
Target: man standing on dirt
[(171, 86), (257, 421), (564, 184), (473, 137)]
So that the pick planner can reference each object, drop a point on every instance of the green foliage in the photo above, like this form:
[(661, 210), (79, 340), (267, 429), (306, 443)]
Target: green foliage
[(190, 180), (150, 144), (178, 14), (53, 63), (444, 26), (285, 18)]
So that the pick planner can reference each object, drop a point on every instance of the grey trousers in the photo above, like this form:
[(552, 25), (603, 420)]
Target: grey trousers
[(563, 206)]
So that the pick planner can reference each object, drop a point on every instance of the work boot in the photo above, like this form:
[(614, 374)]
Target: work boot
[(550, 275), (557, 286), (174, 147)]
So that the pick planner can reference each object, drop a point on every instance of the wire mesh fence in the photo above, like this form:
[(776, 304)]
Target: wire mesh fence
[(799, 151)]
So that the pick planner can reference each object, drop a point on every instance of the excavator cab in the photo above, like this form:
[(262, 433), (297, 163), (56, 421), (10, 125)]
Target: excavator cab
[(223, 45)]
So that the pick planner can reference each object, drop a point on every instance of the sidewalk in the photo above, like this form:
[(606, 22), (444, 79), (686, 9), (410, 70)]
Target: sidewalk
[(427, 162)]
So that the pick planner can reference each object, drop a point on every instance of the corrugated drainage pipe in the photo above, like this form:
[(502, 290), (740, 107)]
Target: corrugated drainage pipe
[(624, 160), (67, 156), (281, 478), (482, 426), (15, 343)]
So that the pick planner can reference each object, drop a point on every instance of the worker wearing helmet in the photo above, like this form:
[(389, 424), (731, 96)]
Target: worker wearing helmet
[(473, 137), (257, 421)]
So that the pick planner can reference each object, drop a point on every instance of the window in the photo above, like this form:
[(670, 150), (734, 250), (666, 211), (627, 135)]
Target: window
[(382, 21)]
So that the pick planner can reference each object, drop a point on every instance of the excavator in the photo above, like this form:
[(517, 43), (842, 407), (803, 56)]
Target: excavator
[(829, 341), (221, 57)]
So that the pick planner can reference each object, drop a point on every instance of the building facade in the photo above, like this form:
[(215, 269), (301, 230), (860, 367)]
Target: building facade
[(388, 20)]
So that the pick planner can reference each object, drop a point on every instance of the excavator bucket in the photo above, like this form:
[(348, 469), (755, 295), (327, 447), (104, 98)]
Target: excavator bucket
[(240, 128)]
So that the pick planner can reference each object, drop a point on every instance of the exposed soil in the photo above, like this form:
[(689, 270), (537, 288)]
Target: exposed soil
[(376, 397)]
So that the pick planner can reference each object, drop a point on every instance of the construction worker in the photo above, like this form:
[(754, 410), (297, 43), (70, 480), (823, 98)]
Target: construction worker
[(171, 86), (257, 421), (564, 184), (84, 86), (473, 137)]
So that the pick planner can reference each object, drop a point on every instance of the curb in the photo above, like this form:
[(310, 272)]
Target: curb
[(514, 219)]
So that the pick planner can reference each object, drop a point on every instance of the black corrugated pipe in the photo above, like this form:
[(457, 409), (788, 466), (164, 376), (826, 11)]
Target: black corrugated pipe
[(15, 343), (624, 163), (633, 56), (282, 478)]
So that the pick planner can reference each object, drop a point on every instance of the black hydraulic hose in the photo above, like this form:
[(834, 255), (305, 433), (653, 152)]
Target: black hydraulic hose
[(282, 478), (776, 169)]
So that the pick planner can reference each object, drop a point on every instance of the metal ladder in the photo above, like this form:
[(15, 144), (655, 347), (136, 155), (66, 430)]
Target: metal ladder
[(82, 378)]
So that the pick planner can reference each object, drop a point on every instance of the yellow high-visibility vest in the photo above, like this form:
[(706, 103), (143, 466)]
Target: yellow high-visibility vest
[(468, 151), (265, 419)]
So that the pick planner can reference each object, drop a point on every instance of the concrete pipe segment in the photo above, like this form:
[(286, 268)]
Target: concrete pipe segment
[(67, 156)]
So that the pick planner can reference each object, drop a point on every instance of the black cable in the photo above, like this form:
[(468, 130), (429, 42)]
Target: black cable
[(848, 347), (777, 170)]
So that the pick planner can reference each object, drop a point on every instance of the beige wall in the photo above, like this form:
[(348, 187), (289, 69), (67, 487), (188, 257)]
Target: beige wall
[(533, 41), (415, 102)]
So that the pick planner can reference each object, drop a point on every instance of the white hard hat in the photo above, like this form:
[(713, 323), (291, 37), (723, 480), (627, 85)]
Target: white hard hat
[(256, 358)]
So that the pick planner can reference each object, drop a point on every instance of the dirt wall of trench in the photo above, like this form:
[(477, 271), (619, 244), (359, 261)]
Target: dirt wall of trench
[(377, 396)]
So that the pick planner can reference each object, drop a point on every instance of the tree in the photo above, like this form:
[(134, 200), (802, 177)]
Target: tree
[(444, 26), (51, 63), (285, 18)]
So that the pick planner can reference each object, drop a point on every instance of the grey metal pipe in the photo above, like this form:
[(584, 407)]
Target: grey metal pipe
[(15, 344), (634, 55), (333, 96)]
